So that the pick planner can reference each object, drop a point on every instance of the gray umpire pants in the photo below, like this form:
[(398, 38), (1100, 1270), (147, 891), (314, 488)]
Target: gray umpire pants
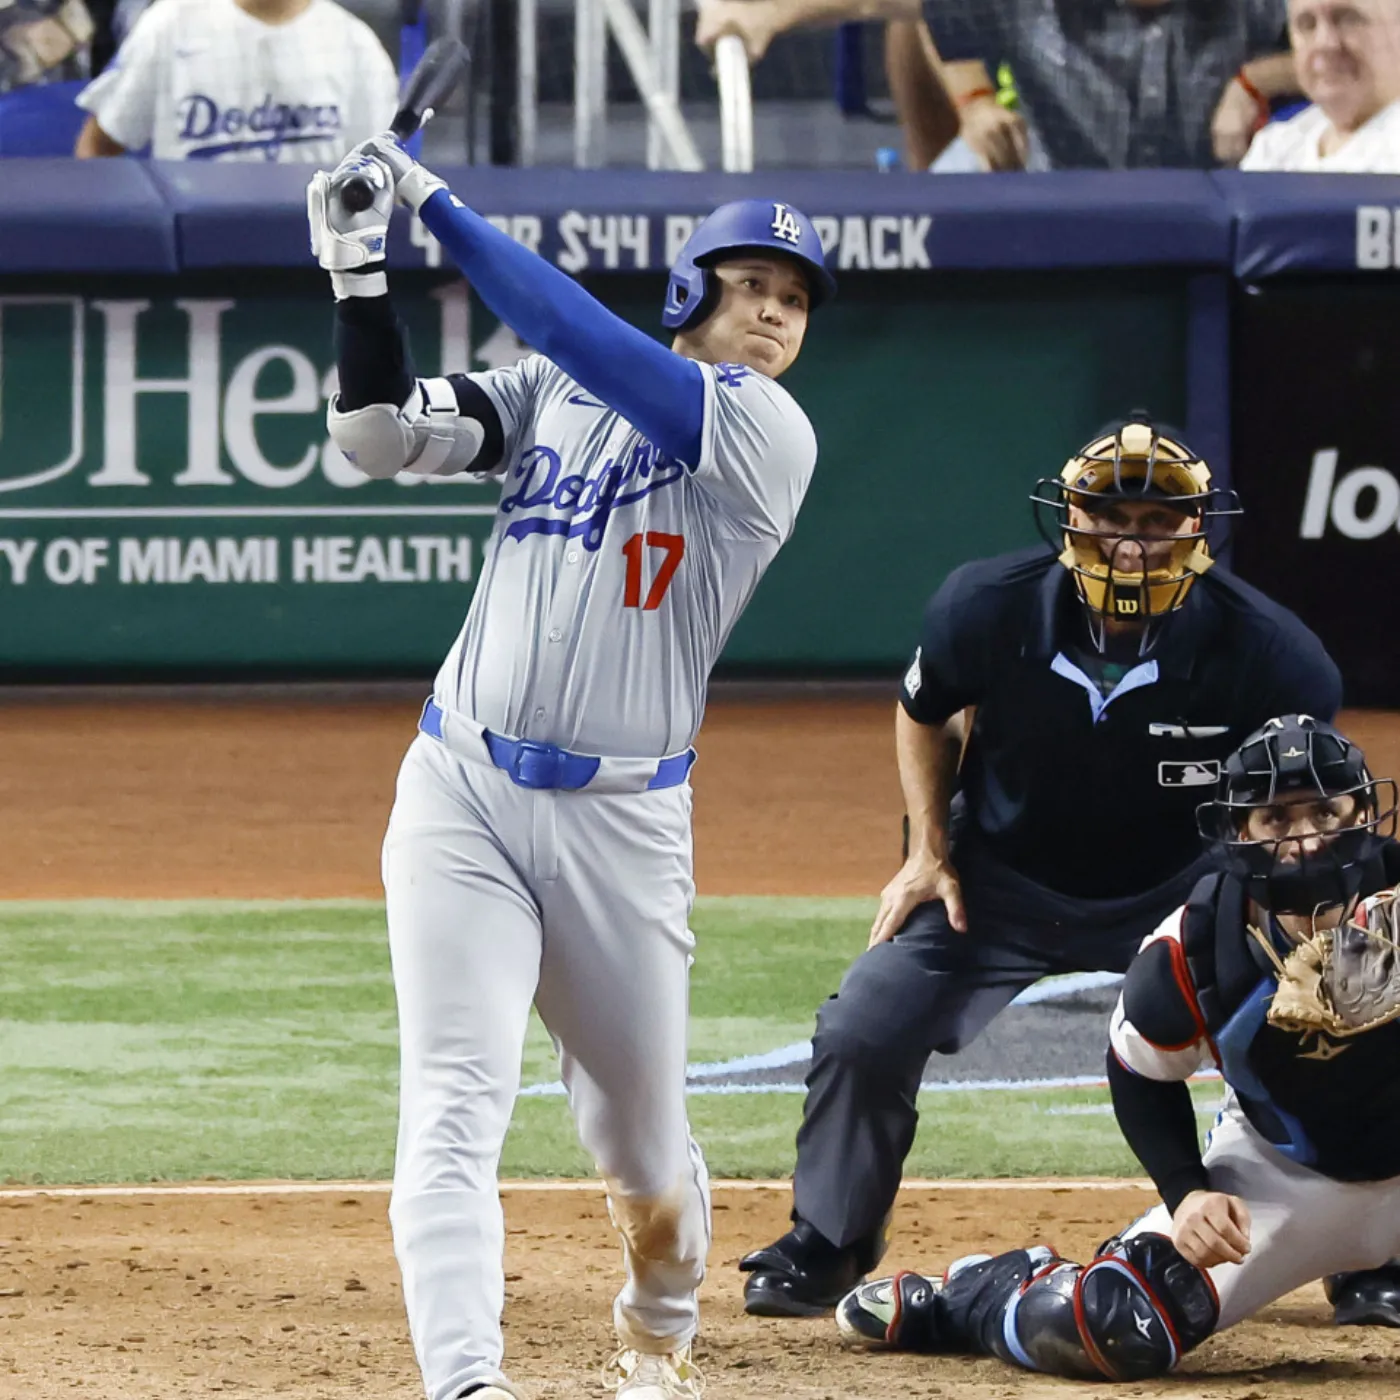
[(932, 990)]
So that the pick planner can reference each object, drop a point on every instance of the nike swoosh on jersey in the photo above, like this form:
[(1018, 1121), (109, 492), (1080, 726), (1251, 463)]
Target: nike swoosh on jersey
[(584, 401)]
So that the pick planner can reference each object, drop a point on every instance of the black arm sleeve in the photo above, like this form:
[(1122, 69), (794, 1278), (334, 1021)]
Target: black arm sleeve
[(371, 353), (1158, 1120), (376, 366)]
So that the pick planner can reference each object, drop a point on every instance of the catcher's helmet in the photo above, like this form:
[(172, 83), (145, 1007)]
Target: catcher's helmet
[(762, 225), (1131, 460), (1297, 756)]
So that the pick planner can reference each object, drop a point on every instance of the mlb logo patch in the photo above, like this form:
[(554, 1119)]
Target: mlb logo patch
[(1202, 773)]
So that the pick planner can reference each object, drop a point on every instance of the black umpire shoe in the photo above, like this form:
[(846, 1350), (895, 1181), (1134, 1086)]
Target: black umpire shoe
[(801, 1275), (1367, 1299)]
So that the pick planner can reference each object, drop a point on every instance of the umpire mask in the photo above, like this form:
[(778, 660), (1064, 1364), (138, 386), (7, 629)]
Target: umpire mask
[(1130, 514)]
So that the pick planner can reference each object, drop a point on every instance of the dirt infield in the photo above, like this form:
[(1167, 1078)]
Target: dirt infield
[(159, 1296), (282, 798), (165, 1297), (285, 795)]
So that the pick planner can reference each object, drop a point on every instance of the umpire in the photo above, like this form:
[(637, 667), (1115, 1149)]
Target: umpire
[(1108, 677)]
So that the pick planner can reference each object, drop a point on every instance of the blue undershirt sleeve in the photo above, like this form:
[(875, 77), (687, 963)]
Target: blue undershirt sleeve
[(660, 393)]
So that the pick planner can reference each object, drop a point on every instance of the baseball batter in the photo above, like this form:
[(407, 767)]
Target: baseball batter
[(540, 843), (1283, 970), (279, 80)]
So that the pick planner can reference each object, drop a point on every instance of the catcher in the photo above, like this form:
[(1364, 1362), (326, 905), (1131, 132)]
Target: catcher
[(1282, 969)]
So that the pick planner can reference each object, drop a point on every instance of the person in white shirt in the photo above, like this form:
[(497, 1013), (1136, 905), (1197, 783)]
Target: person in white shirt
[(270, 80), (1347, 55)]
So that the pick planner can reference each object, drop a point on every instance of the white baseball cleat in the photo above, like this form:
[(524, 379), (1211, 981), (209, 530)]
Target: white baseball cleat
[(499, 1389), (640, 1375)]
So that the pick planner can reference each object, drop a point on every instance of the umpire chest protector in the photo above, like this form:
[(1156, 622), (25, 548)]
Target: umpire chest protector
[(1332, 1106)]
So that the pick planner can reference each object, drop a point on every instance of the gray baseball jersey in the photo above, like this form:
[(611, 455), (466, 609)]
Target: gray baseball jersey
[(614, 573)]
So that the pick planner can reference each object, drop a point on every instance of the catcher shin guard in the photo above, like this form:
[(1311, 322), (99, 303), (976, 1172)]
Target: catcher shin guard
[(898, 1313), (959, 1313), (1133, 1312)]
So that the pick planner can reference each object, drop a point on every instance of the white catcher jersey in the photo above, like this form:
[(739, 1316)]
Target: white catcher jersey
[(614, 573), (204, 80)]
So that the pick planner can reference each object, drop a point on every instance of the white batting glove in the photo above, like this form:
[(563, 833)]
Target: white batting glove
[(351, 246), (413, 183)]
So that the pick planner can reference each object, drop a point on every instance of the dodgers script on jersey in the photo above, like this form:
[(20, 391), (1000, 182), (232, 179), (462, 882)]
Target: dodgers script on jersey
[(205, 80), (614, 573)]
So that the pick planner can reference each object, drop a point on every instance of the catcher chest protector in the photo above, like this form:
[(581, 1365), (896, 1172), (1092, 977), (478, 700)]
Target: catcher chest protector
[(763, 225), (1333, 1115)]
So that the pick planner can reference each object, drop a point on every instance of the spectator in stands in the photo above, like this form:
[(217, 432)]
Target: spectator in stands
[(43, 41), (1100, 83), (927, 115), (278, 80), (1347, 54)]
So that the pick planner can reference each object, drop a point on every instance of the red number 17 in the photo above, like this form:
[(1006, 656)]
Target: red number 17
[(674, 545)]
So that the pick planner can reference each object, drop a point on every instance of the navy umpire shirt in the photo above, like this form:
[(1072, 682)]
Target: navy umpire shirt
[(1084, 773)]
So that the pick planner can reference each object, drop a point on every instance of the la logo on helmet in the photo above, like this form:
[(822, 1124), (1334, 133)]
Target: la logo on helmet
[(785, 225)]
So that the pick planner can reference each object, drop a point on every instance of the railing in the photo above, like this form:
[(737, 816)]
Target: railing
[(652, 55), (735, 104)]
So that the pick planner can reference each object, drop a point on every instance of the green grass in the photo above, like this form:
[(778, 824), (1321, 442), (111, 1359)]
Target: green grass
[(175, 1041)]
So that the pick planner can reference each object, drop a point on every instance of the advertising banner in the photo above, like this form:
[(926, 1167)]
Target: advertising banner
[(1317, 464), (170, 503), (169, 497)]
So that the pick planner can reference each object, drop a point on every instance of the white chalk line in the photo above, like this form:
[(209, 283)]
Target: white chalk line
[(800, 1051), (155, 1190), (556, 1090), (1050, 990)]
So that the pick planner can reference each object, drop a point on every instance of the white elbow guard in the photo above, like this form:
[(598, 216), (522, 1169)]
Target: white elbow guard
[(427, 436)]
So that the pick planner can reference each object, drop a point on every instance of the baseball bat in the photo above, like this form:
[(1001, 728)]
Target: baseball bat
[(444, 64)]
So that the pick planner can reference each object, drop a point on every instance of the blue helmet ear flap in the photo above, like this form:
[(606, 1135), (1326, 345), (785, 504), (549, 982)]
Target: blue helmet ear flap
[(687, 294), (764, 226)]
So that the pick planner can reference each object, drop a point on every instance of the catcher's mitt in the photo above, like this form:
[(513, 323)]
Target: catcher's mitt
[(1341, 981)]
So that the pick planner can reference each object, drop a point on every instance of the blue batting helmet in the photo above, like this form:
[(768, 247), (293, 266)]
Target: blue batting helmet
[(761, 224)]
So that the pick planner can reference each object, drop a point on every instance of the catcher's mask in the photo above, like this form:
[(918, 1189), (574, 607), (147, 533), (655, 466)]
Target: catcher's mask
[(1299, 758), (1132, 461)]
